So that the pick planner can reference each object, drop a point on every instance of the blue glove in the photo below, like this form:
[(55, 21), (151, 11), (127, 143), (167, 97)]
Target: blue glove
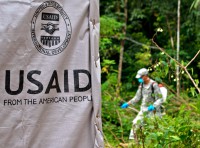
[(125, 105), (151, 108)]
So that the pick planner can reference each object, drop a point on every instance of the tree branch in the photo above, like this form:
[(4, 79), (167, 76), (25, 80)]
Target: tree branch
[(138, 43), (192, 59), (131, 40)]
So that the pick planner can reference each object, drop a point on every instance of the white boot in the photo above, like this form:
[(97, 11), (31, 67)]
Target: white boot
[(131, 136)]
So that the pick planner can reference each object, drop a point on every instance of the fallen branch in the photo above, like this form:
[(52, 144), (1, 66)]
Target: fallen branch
[(183, 67)]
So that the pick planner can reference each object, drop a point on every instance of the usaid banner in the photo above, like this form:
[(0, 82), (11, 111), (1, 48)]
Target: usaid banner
[(50, 74)]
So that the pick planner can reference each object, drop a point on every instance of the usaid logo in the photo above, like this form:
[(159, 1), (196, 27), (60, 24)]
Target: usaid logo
[(50, 28)]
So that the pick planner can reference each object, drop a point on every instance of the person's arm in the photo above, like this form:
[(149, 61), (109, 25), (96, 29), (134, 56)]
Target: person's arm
[(137, 96), (157, 95), (135, 99)]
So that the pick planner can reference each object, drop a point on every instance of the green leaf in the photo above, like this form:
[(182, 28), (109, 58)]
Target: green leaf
[(175, 138), (159, 134), (172, 62)]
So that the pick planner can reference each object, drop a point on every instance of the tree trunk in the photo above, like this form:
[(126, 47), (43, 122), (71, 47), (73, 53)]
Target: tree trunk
[(122, 48), (178, 49)]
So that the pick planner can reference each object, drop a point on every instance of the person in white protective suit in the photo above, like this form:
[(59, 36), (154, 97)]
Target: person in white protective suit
[(151, 96)]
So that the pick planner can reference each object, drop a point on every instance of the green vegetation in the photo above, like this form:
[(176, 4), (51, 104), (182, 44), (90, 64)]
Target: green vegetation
[(144, 33)]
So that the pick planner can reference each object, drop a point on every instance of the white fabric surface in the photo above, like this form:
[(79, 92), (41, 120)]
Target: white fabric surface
[(50, 74)]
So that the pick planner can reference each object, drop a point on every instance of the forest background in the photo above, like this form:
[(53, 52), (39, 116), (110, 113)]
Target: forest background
[(163, 36)]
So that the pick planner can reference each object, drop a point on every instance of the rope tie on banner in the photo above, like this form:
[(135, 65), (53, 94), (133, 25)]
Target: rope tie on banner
[(93, 23)]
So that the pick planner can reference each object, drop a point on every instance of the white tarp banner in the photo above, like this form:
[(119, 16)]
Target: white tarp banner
[(50, 74)]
